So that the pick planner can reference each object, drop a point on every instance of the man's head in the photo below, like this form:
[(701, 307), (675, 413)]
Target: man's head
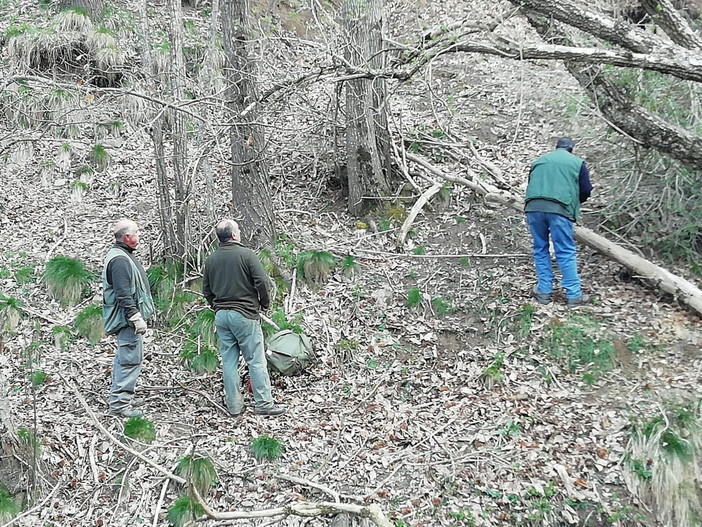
[(228, 230), (126, 231), (566, 143)]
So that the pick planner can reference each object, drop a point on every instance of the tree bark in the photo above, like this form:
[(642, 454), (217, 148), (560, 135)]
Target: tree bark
[(671, 21), (362, 21), (92, 7), (685, 291), (251, 199)]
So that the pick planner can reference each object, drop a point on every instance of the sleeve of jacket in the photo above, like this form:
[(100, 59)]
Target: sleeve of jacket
[(260, 281), (206, 289), (119, 274), (584, 183)]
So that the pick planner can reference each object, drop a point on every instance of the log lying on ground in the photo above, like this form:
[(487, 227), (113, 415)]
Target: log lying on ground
[(684, 290)]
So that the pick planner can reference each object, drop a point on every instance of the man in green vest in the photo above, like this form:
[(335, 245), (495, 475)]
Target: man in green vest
[(558, 183), (127, 305), (235, 285)]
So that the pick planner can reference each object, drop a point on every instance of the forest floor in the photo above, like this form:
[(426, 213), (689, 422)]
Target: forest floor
[(443, 393)]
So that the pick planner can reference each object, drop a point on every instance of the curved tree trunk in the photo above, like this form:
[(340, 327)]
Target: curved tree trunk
[(362, 21), (251, 200)]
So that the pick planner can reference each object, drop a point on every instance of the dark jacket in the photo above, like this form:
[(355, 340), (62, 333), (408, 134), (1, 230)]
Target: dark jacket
[(558, 182), (234, 279)]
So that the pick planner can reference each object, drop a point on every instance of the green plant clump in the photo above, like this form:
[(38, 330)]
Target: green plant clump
[(10, 313), (283, 323), (67, 279), (140, 428), (184, 510), (202, 360), (38, 377), (89, 323), (199, 471), (414, 297), (8, 506), (315, 266), (266, 448)]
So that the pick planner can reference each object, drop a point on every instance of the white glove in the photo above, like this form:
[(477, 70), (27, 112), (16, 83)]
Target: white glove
[(139, 323)]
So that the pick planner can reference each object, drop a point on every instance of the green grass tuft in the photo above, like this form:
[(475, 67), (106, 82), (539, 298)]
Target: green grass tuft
[(89, 323), (414, 297), (8, 506), (204, 360), (67, 279), (38, 377), (282, 321), (441, 306), (140, 428), (349, 266), (204, 327), (62, 337), (315, 266), (184, 510), (199, 471), (10, 313), (419, 249), (100, 156), (266, 448)]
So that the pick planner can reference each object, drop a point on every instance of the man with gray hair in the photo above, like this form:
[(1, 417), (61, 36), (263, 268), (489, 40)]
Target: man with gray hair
[(127, 304), (235, 285)]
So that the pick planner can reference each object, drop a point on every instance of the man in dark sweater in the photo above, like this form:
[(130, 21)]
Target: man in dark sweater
[(236, 287), (558, 183), (127, 304)]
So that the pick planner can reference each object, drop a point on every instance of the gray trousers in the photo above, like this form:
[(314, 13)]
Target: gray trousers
[(125, 368)]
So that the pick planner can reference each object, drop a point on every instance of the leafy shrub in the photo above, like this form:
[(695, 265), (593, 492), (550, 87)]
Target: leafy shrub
[(38, 377), (67, 279), (266, 448), (140, 428), (89, 323)]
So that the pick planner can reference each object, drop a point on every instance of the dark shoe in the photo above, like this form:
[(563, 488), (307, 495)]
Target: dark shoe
[(137, 402), (273, 410), (239, 413), (541, 298), (125, 412), (580, 301)]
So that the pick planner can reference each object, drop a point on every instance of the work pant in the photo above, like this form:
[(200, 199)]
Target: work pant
[(560, 230), (240, 335), (125, 368)]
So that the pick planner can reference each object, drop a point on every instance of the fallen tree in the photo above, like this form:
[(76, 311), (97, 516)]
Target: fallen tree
[(685, 291)]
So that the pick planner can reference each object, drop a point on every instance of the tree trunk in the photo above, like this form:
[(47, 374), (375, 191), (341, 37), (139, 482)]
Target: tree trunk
[(92, 7), (685, 291), (251, 199), (362, 21)]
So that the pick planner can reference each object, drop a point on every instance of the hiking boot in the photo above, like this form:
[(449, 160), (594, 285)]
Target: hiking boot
[(125, 412), (273, 410), (579, 301), (541, 298), (137, 402), (238, 414)]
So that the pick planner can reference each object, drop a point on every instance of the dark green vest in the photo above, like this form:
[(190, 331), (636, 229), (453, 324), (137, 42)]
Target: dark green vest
[(113, 316), (555, 176)]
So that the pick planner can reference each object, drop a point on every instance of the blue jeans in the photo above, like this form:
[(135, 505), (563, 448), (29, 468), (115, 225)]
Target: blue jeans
[(560, 229), (240, 335), (125, 368)]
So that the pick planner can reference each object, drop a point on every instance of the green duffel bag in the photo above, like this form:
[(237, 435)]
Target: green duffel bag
[(289, 353)]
